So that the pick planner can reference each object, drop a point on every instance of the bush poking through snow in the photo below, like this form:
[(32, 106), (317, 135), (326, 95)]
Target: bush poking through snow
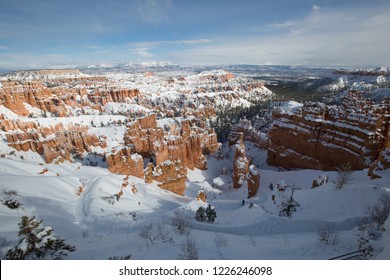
[(379, 212), (181, 221), (10, 199), (327, 234), (4, 244), (146, 234), (151, 232), (344, 175), (189, 249), (370, 227), (37, 243), (163, 233), (109, 199)]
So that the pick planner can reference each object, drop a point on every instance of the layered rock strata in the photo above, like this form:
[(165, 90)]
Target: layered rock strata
[(317, 136), (170, 152), (186, 143), (123, 162), (58, 100), (250, 133), (53, 143)]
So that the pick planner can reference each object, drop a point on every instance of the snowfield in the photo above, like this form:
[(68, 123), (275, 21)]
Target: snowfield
[(100, 226)]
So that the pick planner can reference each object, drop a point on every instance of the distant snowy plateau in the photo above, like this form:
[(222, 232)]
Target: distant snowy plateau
[(113, 159)]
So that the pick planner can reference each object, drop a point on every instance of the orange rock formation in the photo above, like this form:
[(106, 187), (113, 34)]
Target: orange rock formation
[(240, 163), (172, 152), (323, 137), (53, 143), (123, 162)]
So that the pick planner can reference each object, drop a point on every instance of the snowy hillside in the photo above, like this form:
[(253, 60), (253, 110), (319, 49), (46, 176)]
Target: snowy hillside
[(101, 227)]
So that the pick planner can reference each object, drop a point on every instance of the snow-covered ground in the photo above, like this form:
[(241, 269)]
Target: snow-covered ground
[(100, 226)]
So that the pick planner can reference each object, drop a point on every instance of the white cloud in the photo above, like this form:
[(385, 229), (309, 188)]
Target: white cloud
[(316, 8), (287, 24), (323, 37), (3, 47), (142, 52), (144, 49)]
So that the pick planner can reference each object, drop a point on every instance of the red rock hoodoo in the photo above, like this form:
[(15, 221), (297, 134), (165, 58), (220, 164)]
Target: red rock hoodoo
[(243, 173), (183, 146)]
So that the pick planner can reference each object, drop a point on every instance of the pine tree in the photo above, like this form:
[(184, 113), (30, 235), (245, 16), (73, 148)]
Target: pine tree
[(289, 206), (211, 213), (37, 242), (200, 214)]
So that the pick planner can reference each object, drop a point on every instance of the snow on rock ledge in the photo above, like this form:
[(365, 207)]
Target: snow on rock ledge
[(317, 136)]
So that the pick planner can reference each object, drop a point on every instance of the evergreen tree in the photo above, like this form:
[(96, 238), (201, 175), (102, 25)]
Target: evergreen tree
[(211, 213), (37, 242), (289, 206), (200, 214)]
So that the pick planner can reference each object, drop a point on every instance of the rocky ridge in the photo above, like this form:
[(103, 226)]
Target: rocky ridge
[(318, 136), (54, 143)]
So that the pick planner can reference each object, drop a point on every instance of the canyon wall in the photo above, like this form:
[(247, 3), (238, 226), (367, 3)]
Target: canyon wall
[(170, 152), (316, 136), (54, 143)]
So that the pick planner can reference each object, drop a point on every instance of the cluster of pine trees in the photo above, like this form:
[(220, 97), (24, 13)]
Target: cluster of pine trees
[(206, 214)]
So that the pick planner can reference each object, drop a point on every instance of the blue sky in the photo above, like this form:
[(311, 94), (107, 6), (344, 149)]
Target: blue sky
[(43, 33)]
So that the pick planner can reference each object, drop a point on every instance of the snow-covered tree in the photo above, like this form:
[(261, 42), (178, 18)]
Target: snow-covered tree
[(200, 214), (37, 242), (289, 206), (206, 214), (211, 214), (344, 175)]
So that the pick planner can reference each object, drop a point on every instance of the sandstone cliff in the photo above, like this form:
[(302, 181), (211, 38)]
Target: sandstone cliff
[(323, 137), (253, 179), (250, 133), (53, 142), (123, 162), (244, 174), (186, 143), (60, 96), (170, 151)]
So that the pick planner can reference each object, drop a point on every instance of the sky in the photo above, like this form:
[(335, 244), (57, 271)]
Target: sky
[(51, 33)]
